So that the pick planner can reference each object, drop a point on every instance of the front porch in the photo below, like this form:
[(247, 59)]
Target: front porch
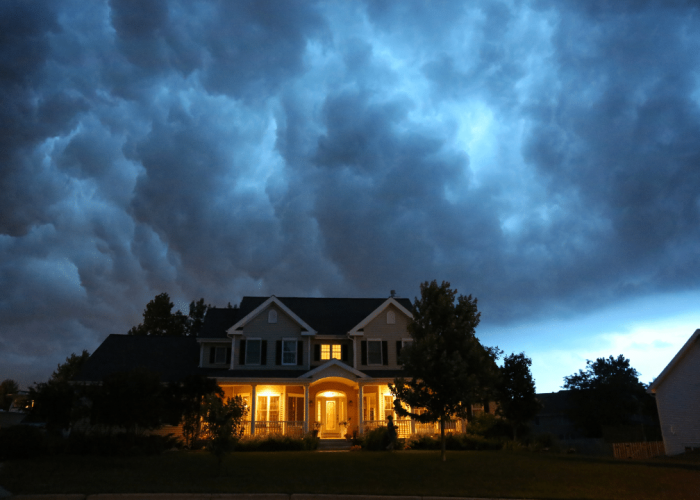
[(333, 406)]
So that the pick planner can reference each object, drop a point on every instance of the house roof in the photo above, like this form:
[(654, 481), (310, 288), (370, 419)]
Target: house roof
[(695, 337), (173, 358), (327, 316)]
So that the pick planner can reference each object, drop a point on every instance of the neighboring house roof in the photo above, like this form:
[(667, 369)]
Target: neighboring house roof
[(327, 316), (173, 358), (695, 337)]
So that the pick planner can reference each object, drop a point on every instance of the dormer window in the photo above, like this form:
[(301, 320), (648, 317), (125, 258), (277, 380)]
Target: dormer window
[(391, 318), (272, 316)]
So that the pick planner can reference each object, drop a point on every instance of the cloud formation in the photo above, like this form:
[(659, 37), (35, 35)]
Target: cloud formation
[(540, 155)]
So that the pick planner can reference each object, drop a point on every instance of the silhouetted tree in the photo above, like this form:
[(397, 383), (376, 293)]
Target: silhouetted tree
[(54, 400), (8, 388), (607, 393), (160, 320), (190, 396), (518, 403), (450, 369), (224, 423)]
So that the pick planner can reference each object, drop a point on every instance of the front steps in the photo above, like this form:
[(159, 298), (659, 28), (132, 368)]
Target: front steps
[(334, 445)]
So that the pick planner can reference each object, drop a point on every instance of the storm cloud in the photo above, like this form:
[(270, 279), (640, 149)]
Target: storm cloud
[(543, 156)]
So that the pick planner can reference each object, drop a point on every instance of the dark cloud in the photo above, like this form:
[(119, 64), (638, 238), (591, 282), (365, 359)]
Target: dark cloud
[(540, 155)]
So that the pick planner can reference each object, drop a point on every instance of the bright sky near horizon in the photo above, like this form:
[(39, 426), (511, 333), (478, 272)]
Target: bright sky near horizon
[(541, 155)]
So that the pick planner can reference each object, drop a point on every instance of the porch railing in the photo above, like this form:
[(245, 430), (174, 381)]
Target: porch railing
[(405, 428), (280, 427)]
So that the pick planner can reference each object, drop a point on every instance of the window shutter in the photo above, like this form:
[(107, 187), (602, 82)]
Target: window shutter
[(241, 353), (212, 353), (300, 353), (486, 406), (263, 353), (228, 356), (363, 349), (344, 353), (399, 344), (317, 352), (385, 352), (278, 352)]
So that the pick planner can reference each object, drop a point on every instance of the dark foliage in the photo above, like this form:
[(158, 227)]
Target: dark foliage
[(607, 393), (54, 400), (119, 444), (8, 388), (454, 442), (277, 443), (378, 440), (23, 441), (159, 320), (517, 402), (449, 368)]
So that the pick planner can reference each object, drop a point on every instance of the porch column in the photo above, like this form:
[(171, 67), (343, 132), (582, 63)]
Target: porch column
[(359, 408), (253, 404), (306, 409)]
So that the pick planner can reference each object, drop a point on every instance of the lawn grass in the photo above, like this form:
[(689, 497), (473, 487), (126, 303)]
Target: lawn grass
[(471, 474)]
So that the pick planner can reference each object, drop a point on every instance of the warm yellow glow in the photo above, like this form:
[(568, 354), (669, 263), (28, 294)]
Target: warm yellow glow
[(331, 394), (267, 393), (330, 351)]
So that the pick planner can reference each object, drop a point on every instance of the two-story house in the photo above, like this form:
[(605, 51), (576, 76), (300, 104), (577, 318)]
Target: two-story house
[(299, 363)]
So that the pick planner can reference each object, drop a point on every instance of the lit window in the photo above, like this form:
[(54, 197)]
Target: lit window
[(268, 409), (289, 352), (253, 351), (330, 351), (388, 406), (374, 352)]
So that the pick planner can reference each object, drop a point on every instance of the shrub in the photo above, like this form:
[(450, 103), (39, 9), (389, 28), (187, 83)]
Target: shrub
[(119, 444), (489, 426), (453, 442), (276, 442), (378, 440), (23, 441)]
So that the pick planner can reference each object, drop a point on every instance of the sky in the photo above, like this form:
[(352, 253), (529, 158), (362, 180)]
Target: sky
[(542, 156)]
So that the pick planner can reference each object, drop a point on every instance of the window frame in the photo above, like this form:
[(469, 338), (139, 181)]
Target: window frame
[(217, 350), (293, 342), (247, 348), (381, 353), (330, 347)]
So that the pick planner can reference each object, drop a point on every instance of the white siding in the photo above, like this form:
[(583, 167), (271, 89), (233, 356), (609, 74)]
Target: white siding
[(678, 402)]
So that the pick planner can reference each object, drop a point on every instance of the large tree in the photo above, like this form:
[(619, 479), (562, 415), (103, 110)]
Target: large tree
[(449, 368), (607, 393), (160, 320), (54, 400), (518, 403)]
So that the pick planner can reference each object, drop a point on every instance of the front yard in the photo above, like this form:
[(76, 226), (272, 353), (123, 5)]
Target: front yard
[(469, 474)]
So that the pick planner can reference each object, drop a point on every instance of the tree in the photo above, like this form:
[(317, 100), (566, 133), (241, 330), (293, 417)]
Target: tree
[(190, 395), (54, 400), (224, 423), (517, 401), (8, 387), (159, 320), (607, 393), (449, 368)]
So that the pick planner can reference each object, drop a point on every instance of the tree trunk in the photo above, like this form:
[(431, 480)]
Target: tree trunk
[(442, 439)]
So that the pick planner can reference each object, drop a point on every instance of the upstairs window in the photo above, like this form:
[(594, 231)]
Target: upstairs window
[(272, 316), (374, 352), (289, 352), (391, 318), (253, 351), (330, 351)]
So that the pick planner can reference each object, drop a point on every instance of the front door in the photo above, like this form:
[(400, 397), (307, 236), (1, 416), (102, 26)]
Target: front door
[(331, 416)]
